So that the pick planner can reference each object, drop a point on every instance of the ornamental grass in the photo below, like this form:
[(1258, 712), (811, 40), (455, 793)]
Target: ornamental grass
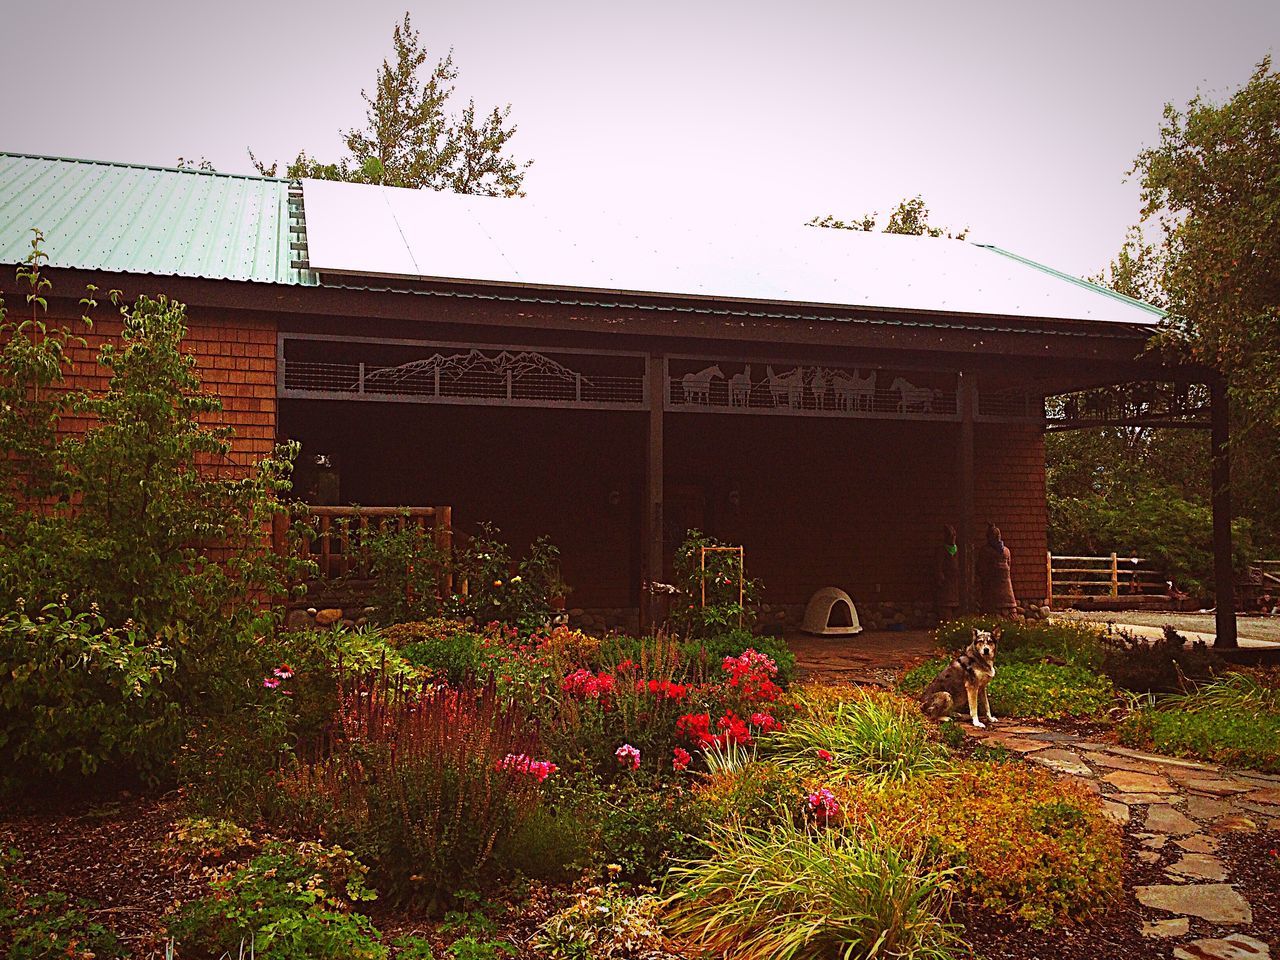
[(779, 892)]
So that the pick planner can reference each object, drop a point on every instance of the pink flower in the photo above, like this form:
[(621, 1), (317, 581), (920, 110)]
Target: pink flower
[(765, 722), (270, 682), (824, 803), (681, 758), (284, 671), (628, 756), (520, 763)]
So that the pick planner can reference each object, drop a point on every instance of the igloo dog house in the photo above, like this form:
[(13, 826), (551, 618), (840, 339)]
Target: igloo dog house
[(831, 613)]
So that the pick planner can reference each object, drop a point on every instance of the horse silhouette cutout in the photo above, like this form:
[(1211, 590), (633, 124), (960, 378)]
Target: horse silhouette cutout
[(697, 386), (913, 399), (740, 388), (787, 388), (853, 392)]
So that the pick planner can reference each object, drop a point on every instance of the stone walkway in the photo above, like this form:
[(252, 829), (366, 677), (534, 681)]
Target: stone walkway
[(1177, 810)]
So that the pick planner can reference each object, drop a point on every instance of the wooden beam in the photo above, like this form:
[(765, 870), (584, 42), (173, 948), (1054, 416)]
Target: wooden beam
[(1223, 571), (651, 526), (968, 400)]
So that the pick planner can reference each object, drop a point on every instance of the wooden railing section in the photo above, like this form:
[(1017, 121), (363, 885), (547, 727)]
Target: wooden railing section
[(333, 537), (1109, 576)]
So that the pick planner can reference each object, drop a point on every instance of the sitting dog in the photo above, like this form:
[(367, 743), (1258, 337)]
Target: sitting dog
[(967, 675)]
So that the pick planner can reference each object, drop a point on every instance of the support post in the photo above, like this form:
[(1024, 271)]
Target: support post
[(968, 399), (1223, 572), (651, 525)]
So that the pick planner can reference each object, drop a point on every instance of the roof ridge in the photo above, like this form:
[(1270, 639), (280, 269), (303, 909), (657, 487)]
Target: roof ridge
[(1078, 281), (142, 166)]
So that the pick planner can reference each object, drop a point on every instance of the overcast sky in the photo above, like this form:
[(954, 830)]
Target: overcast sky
[(1019, 120)]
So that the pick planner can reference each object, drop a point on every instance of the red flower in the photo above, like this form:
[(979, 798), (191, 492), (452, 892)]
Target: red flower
[(824, 755), (765, 722), (696, 727), (681, 758)]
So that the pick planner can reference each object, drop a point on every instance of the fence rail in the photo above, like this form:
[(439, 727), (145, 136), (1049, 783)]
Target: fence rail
[(1072, 577), (334, 538)]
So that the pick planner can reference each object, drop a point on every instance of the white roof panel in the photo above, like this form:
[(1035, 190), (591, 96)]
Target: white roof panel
[(371, 231)]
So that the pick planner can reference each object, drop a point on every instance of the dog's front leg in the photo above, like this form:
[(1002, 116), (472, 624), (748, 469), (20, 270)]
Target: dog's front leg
[(986, 707), (973, 707)]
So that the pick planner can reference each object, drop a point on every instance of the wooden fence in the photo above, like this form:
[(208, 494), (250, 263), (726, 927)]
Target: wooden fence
[(333, 537), (1111, 576)]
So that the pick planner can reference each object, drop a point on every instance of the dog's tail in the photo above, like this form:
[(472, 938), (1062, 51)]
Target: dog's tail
[(937, 706)]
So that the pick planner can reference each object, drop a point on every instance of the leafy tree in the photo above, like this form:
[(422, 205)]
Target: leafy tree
[(1212, 184), (411, 140), (910, 217)]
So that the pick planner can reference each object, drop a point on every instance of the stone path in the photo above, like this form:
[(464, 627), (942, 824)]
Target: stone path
[(1178, 811)]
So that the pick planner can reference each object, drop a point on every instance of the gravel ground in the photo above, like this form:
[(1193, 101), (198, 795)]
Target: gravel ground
[(1255, 627)]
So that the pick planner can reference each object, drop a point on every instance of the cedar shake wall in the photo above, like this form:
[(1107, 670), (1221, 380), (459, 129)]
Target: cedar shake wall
[(236, 360)]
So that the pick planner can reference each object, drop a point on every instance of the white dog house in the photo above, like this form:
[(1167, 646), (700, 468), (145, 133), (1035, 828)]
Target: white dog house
[(831, 613)]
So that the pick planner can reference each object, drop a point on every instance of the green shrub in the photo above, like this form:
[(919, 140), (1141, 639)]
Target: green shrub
[(554, 843), (1030, 641), (1164, 665), (878, 737), (48, 926), (753, 791), (604, 923), (777, 893), (705, 655), (80, 697), (450, 650), (725, 608), (1023, 689), (645, 825), (291, 902), (1022, 841)]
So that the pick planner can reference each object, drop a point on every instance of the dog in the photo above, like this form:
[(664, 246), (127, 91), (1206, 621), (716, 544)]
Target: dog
[(967, 675)]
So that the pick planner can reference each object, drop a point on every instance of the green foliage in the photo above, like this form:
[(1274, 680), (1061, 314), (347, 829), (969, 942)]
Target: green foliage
[(407, 568), (1234, 720), (1212, 186), (49, 925), (705, 655), (909, 217), (1164, 665), (202, 839), (752, 791), (556, 841), (879, 738), (645, 825), (80, 697), (411, 140), (291, 902), (1029, 641), (448, 649), (776, 893), (604, 923), (1048, 691), (718, 574)]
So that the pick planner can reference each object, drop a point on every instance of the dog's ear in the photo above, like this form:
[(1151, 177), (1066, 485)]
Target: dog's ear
[(995, 634), (976, 631)]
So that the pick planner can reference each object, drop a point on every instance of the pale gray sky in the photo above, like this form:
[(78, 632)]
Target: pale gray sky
[(1019, 120)]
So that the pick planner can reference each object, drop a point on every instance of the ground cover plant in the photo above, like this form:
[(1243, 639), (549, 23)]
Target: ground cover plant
[(1020, 689), (1233, 720)]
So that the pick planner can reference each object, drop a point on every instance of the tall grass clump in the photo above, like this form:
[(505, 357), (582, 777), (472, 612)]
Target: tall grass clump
[(782, 893), (878, 737), (423, 786)]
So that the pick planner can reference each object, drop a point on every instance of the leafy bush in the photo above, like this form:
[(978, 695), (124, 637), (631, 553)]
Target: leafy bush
[(202, 839), (753, 792), (291, 902), (645, 825), (604, 923), (450, 650), (704, 655), (777, 893), (423, 786), (50, 925), (1022, 689), (80, 697), (1023, 842), (1160, 666), (878, 737)]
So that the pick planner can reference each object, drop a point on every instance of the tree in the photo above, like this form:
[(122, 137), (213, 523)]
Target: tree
[(1212, 185), (910, 217), (411, 140)]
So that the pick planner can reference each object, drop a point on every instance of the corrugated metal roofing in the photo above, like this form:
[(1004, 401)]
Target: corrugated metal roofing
[(126, 218), (358, 230)]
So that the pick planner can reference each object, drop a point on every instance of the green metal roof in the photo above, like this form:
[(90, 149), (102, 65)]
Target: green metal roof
[(127, 218)]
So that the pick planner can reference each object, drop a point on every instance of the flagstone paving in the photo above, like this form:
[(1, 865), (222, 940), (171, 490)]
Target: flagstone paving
[(1177, 811)]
